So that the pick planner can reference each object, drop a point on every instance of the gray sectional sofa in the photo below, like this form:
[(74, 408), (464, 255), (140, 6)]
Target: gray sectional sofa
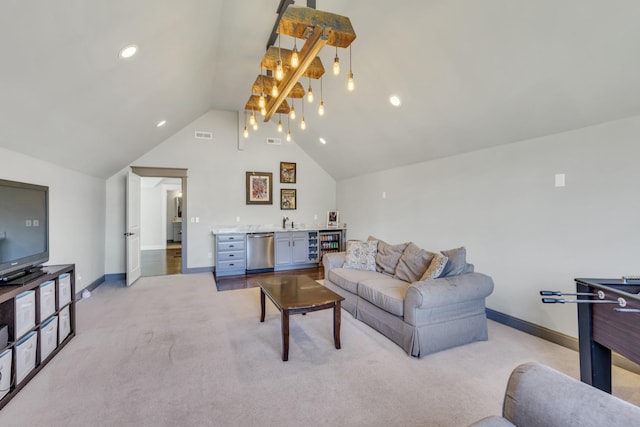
[(425, 302)]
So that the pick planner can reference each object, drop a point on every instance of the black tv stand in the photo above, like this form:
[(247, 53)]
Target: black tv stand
[(22, 277)]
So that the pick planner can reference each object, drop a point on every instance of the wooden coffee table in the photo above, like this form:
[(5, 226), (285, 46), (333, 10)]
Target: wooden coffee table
[(299, 295)]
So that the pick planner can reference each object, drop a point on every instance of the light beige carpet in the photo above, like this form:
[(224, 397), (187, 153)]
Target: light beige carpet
[(172, 351)]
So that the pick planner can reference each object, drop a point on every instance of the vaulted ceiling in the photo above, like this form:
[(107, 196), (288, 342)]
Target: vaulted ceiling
[(470, 74)]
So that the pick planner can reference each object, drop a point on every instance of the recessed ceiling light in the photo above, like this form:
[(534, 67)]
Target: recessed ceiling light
[(323, 140), (128, 51), (395, 101), (162, 123)]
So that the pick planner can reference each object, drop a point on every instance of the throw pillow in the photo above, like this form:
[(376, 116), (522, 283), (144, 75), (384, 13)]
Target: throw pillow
[(413, 263), (457, 261), (388, 256), (361, 255), (436, 267)]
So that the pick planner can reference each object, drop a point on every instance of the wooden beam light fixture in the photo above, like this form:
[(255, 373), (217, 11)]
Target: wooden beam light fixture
[(318, 29)]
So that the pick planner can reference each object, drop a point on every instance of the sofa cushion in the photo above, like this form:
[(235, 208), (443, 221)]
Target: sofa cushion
[(388, 256), (348, 279), (413, 263), (436, 267), (361, 255), (386, 293), (457, 261)]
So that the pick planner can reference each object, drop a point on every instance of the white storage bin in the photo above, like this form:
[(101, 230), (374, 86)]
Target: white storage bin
[(64, 290), (5, 372), (48, 337), (25, 353), (25, 313), (64, 325), (47, 299)]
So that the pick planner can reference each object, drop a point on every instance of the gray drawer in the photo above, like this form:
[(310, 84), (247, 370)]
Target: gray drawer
[(231, 237), (231, 265), (232, 255), (233, 245)]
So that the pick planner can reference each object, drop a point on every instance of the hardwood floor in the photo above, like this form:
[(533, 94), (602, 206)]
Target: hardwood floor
[(161, 262), (251, 280)]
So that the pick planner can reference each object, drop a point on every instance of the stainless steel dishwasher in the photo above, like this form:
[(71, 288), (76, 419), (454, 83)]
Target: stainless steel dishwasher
[(260, 252)]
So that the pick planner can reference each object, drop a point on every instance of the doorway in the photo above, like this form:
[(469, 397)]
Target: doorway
[(160, 226), (163, 195)]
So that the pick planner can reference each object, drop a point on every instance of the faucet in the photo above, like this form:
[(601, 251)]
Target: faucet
[(284, 221)]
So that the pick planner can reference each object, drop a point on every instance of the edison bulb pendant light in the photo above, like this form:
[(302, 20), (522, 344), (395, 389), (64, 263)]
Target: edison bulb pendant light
[(274, 90), (289, 136), (280, 125), (303, 125), (246, 132), (255, 126), (350, 84), (263, 111), (321, 108), (279, 70), (295, 61), (336, 64), (252, 118), (292, 112), (261, 101), (310, 93)]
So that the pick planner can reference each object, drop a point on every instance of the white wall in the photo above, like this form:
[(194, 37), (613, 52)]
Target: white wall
[(502, 204), (76, 213), (216, 184)]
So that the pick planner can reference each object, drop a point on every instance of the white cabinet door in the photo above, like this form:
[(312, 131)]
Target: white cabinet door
[(283, 248), (300, 246)]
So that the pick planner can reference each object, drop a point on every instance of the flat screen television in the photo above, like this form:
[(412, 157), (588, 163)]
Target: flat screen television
[(24, 229)]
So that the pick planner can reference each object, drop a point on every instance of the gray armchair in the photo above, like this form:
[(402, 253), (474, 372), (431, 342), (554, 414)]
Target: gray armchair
[(538, 396)]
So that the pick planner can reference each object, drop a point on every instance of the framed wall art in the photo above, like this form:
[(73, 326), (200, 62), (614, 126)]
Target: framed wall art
[(259, 188), (332, 218), (287, 173), (287, 198)]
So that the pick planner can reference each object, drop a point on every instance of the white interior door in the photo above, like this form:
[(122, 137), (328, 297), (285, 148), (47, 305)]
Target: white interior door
[(133, 228)]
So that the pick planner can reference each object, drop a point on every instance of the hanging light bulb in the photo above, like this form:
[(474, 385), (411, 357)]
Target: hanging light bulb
[(279, 70), (245, 132), (288, 130), (310, 93), (261, 100), (274, 90), (321, 106), (303, 125), (280, 123), (336, 63), (263, 111), (292, 111), (252, 118), (295, 61), (294, 55), (350, 84), (255, 126)]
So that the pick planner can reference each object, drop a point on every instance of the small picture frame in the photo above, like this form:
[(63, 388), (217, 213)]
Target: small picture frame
[(287, 199), (332, 218), (287, 173), (259, 188)]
